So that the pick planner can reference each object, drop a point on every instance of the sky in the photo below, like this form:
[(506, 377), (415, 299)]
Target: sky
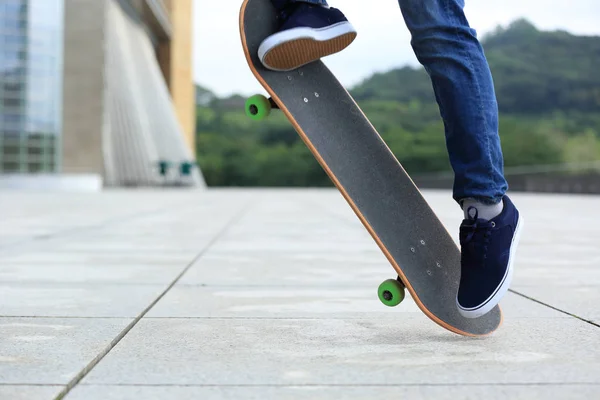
[(383, 42)]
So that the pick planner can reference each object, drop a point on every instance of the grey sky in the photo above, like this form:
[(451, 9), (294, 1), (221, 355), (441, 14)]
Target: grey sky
[(382, 42)]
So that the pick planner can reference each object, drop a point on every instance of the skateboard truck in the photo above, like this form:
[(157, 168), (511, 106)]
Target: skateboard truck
[(258, 107)]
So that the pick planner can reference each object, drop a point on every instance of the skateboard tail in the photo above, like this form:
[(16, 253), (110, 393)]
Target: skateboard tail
[(341, 188)]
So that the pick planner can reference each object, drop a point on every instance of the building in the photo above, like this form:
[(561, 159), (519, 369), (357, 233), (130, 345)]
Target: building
[(97, 88), (30, 85)]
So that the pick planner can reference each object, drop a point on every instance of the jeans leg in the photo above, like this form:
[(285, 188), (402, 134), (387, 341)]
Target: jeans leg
[(280, 4), (449, 51)]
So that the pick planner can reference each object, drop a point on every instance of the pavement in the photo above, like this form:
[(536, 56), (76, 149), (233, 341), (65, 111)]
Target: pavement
[(271, 294)]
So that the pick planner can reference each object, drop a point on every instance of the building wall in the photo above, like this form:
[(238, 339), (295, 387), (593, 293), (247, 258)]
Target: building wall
[(175, 58), (84, 86), (143, 127), (30, 85), (121, 117)]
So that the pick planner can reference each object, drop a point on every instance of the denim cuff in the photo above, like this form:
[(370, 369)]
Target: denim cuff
[(321, 2), (280, 4)]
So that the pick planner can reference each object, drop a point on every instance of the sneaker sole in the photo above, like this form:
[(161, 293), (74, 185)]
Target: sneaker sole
[(495, 298), (294, 48)]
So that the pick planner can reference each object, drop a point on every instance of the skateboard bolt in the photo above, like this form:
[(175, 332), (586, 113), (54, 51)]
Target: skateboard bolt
[(437, 264), (423, 242), (316, 94), (305, 100), (290, 78), (387, 295), (412, 249)]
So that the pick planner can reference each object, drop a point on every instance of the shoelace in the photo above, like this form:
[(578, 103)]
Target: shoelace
[(484, 228)]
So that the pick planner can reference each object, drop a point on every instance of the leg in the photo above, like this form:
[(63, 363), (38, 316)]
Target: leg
[(462, 82), (309, 30)]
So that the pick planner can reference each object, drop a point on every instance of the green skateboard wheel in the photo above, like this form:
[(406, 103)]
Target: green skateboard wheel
[(391, 292), (258, 107)]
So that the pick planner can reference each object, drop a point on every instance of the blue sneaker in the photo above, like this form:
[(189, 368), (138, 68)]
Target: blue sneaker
[(487, 256), (307, 33)]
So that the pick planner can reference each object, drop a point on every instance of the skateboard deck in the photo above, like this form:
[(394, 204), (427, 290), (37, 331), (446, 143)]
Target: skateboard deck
[(368, 175)]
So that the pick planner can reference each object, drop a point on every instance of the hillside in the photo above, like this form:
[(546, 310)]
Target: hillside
[(548, 93), (534, 72)]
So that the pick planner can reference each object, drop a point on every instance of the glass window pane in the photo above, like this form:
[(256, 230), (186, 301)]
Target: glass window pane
[(31, 35)]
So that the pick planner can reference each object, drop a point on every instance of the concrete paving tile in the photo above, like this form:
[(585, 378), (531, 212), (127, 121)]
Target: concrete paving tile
[(333, 238), (308, 268), (341, 268), (195, 301), (76, 300), (285, 297), (9, 239), (322, 302), (555, 275), (61, 218), (185, 228), (28, 392), (97, 257), (51, 350), (120, 247), (249, 245), (444, 392), (552, 253), (578, 300), (190, 245), (359, 352), (141, 274), (108, 214)]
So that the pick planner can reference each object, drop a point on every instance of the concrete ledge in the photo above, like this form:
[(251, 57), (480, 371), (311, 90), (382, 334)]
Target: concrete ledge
[(54, 182)]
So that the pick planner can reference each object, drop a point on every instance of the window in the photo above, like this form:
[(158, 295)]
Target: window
[(30, 84)]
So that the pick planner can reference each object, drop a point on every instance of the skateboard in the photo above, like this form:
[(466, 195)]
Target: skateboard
[(370, 178)]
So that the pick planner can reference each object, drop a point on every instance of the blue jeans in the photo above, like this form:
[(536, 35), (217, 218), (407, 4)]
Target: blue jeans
[(448, 49)]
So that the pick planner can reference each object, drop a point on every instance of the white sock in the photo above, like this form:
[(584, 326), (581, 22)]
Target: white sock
[(484, 211)]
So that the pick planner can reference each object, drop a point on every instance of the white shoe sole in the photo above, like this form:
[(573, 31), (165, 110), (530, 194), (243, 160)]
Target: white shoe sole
[(293, 48), (495, 298)]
